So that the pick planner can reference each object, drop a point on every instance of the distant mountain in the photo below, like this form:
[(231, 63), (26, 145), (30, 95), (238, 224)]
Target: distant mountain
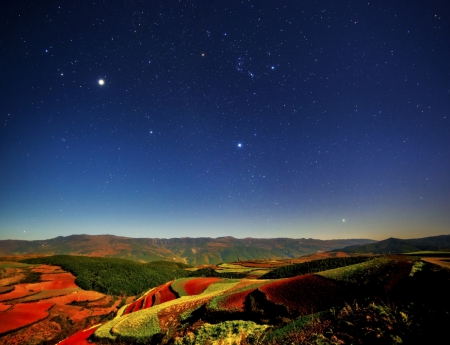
[(396, 245), (194, 251)]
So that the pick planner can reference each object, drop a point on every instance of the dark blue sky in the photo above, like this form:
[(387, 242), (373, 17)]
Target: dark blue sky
[(322, 119)]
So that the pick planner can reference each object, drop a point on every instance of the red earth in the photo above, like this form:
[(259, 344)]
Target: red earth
[(80, 338), (20, 290), (304, 294), (236, 300), (159, 295), (57, 314), (4, 307), (166, 294), (23, 314), (197, 285)]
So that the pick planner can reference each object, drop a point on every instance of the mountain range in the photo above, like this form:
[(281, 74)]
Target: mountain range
[(193, 251), (397, 246)]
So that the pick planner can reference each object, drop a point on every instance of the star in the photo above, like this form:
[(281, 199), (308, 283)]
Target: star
[(239, 145), (101, 82)]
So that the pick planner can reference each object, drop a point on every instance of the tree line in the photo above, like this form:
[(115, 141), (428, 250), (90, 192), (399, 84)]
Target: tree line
[(115, 276), (313, 267)]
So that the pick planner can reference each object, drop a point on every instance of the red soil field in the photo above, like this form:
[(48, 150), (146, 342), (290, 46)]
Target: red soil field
[(129, 309), (166, 294), (197, 285), (305, 294), (74, 313), (148, 300), (159, 295), (443, 262), (80, 338), (138, 305), (23, 314), (54, 281), (4, 307), (46, 294), (78, 296), (105, 301), (156, 298), (20, 290), (103, 311), (5, 289), (48, 269), (236, 300)]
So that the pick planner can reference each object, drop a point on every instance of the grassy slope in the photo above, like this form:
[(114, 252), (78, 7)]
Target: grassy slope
[(144, 324)]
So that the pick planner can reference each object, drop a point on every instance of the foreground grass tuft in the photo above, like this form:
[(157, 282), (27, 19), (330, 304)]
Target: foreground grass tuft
[(227, 332)]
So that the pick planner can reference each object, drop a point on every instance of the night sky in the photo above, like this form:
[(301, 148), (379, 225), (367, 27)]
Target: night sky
[(322, 119)]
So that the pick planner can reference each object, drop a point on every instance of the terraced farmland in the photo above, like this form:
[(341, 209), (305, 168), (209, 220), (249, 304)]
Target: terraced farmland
[(49, 307), (392, 298)]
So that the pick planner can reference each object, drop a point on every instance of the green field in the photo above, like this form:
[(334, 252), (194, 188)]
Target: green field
[(433, 253)]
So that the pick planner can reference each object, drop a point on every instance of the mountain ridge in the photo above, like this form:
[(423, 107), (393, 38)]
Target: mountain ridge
[(394, 245), (191, 250)]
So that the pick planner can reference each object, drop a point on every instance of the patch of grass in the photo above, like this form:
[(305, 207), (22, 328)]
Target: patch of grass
[(227, 332), (353, 273), (8, 264), (313, 267), (281, 335), (183, 317), (211, 272), (429, 253), (417, 267)]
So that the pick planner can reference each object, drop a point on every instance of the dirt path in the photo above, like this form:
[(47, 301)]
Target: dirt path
[(443, 262)]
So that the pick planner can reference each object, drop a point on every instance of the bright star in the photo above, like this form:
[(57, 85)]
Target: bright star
[(239, 144), (343, 220), (101, 82)]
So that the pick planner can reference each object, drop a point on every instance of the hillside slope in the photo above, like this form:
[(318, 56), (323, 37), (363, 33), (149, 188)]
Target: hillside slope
[(193, 251), (396, 246), (393, 300)]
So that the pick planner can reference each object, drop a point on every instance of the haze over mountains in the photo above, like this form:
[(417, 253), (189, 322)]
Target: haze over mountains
[(194, 251)]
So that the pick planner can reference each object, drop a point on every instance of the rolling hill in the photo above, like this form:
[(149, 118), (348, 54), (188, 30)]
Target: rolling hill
[(384, 300), (397, 246), (193, 251)]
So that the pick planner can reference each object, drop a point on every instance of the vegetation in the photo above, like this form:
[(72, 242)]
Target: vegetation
[(227, 332), (142, 326), (216, 302), (211, 272), (30, 277), (115, 276), (293, 332), (313, 267), (430, 253), (361, 273)]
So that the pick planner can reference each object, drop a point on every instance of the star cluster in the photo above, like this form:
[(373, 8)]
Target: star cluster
[(243, 118)]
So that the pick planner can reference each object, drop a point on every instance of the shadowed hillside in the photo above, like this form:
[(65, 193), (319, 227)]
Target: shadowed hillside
[(397, 246), (193, 251)]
